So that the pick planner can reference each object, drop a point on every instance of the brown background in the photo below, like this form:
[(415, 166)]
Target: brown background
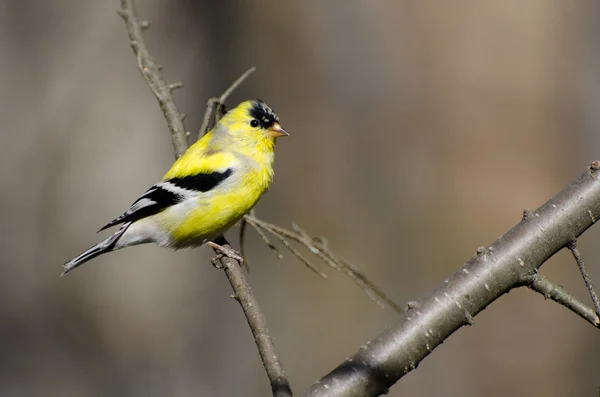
[(420, 131)]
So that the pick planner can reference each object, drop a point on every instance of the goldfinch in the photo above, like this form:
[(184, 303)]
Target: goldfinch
[(207, 190)]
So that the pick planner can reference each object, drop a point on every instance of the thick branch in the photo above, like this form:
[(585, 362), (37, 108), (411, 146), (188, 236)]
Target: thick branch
[(509, 262), (235, 275)]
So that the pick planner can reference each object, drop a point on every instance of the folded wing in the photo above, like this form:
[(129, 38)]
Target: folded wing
[(168, 193)]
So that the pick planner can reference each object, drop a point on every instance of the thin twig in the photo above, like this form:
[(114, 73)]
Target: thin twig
[(296, 253), (235, 274), (586, 277), (220, 101), (210, 104), (151, 73), (361, 279), (319, 248), (262, 235), (559, 295), (243, 224), (223, 98)]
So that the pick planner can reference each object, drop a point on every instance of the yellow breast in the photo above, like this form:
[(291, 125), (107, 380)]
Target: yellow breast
[(212, 214)]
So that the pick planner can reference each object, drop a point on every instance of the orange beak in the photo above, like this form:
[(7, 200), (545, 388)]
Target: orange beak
[(276, 131)]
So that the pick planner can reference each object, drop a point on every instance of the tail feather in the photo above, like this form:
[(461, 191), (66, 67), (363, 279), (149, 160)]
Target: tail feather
[(102, 247)]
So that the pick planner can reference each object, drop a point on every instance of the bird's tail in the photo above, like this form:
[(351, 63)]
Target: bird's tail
[(102, 247)]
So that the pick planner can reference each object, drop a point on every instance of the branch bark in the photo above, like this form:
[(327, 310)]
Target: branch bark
[(280, 386), (510, 262), (559, 295), (151, 73), (586, 277)]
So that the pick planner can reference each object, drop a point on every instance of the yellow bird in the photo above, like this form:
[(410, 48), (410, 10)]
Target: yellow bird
[(207, 190)]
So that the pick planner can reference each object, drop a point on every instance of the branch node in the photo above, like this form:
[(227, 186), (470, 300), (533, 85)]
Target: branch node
[(527, 214), (320, 240), (216, 262), (144, 25), (480, 251), (468, 318), (592, 217), (595, 166), (410, 305), (135, 46), (175, 85)]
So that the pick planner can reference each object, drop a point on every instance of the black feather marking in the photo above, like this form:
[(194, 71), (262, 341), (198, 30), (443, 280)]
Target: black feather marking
[(264, 114), (160, 197), (152, 202), (201, 182)]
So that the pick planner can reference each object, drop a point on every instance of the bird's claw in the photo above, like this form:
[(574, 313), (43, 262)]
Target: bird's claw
[(216, 260), (221, 252)]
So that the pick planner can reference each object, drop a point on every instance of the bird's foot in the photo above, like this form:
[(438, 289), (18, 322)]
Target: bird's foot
[(223, 251)]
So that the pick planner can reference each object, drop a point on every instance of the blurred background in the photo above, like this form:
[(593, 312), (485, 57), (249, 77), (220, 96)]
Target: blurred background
[(420, 131)]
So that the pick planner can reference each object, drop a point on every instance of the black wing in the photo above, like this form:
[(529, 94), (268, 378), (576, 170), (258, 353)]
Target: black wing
[(201, 182), (168, 193)]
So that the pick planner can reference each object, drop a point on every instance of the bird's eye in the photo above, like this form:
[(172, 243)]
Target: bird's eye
[(254, 123)]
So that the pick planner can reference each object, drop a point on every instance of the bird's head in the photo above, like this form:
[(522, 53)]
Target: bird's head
[(253, 121)]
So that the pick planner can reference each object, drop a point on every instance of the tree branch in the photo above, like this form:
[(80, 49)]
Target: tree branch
[(586, 277), (235, 274), (256, 320), (509, 262), (318, 247), (559, 295), (220, 101), (151, 73)]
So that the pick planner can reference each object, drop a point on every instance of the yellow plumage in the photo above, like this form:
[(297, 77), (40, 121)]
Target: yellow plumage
[(207, 190)]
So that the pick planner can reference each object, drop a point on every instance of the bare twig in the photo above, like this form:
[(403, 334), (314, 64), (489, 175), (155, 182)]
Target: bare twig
[(319, 249), (235, 274), (586, 277), (295, 252), (250, 220), (208, 114), (220, 101), (243, 225), (560, 296), (151, 73), (223, 98)]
